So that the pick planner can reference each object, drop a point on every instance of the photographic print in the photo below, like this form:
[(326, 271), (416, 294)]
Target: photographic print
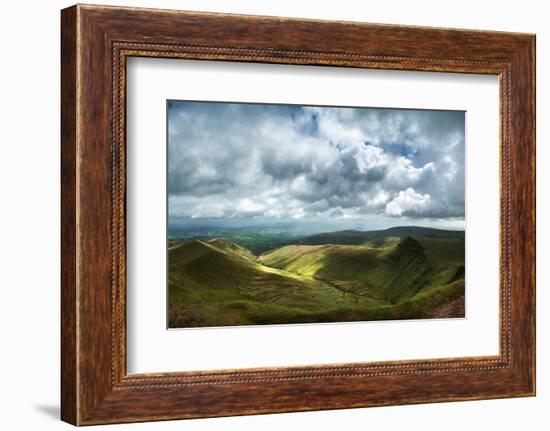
[(287, 214)]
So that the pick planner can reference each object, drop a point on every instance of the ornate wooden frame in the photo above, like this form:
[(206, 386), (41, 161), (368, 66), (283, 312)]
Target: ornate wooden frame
[(96, 41)]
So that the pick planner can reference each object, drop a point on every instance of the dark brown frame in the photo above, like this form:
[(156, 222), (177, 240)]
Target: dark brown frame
[(96, 41)]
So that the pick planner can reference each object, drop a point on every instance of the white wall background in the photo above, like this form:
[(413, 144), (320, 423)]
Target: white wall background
[(29, 215)]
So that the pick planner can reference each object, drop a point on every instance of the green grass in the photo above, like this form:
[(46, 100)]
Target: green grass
[(443, 251), (220, 283), (392, 273)]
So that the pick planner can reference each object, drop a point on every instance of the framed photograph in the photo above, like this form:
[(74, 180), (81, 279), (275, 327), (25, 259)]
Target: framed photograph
[(282, 214), (263, 214)]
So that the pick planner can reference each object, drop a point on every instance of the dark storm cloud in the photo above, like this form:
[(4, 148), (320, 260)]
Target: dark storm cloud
[(279, 161)]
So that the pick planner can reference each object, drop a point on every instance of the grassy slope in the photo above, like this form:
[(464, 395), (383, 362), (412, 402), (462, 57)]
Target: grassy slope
[(443, 251), (217, 283), (391, 273), (212, 284)]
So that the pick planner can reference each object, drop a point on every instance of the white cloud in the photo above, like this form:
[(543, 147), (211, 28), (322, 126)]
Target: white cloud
[(377, 200), (370, 158), (277, 161), (409, 202)]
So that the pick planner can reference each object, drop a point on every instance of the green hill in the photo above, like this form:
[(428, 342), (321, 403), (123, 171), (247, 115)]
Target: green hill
[(392, 273), (231, 248), (215, 284), (444, 251), (219, 283)]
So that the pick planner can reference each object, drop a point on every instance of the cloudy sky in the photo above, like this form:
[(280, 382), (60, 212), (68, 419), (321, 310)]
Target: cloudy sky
[(372, 168)]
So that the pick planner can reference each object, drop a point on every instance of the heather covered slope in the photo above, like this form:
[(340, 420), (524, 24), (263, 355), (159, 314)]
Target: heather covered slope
[(219, 283)]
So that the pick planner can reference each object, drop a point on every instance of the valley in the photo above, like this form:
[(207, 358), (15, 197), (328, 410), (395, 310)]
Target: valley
[(398, 273)]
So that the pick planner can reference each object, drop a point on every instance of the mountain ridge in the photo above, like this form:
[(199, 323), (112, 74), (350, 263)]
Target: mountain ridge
[(217, 282), (353, 236)]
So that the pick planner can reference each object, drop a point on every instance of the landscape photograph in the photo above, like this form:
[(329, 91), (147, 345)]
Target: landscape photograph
[(295, 214)]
